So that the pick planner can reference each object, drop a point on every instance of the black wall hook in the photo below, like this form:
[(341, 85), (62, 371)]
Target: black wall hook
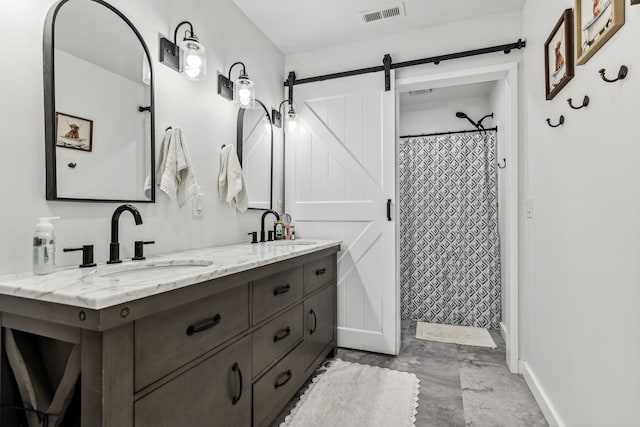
[(72, 165), (503, 165), (560, 122), (622, 74), (585, 102)]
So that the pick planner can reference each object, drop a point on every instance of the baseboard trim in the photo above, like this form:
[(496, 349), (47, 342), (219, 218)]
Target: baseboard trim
[(503, 331), (547, 408)]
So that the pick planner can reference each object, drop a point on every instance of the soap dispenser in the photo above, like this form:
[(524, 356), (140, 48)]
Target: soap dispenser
[(44, 246)]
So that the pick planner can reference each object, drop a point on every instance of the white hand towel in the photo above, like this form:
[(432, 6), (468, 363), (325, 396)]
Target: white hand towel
[(231, 185), (175, 174)]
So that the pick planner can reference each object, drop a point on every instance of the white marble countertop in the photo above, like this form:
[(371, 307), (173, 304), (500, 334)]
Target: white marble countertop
[(108, 285)]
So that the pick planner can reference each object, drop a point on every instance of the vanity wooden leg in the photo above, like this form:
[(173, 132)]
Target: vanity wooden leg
[(107, 377)]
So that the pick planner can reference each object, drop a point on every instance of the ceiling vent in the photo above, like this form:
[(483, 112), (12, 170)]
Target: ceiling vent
[(378, 15), (420, 92)]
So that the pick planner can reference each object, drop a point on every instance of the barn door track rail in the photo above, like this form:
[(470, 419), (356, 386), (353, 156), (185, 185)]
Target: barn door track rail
[(388, 65)]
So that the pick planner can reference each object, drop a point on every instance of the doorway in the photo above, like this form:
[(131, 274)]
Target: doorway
[(479, 92)]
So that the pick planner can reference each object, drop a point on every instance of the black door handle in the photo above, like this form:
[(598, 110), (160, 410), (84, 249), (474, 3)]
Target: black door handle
[(281, 290), (315, 322), (388, 209), (321, 271), (204, 325), (282, 334), (236, 399), (279, 383)]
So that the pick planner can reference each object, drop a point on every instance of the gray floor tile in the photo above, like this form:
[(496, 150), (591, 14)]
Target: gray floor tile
[(459, 385)]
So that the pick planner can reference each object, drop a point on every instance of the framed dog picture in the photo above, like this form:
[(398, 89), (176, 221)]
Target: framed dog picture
[(558, 55), (596, 22), (74, 132)]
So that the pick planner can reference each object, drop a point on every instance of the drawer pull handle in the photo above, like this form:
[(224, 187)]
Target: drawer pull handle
[(281, 290), (282, 334), (321, 271), (279, 383), (315, 322), (236, 399), (204, 325)]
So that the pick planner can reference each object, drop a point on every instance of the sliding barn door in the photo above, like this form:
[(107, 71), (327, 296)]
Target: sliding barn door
[(340, 175)]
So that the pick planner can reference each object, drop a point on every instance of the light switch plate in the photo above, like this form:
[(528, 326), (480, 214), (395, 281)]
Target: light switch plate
[(198, 206), (529, 208)]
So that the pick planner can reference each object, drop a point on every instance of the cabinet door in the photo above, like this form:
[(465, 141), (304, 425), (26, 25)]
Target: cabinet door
[(216, 392), (319, 322)]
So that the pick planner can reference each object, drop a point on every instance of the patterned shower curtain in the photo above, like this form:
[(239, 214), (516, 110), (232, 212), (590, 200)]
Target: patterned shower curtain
[(449, 242)]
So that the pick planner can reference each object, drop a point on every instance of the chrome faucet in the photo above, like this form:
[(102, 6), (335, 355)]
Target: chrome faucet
[(267, 212), (114, 247)]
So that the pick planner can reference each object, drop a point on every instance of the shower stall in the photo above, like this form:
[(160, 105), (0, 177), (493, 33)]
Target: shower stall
[(450, 257)]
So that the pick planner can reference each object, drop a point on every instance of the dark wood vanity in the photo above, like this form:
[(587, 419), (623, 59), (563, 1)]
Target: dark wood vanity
[(225, 352)]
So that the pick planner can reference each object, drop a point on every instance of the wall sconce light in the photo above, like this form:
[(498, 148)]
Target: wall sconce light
[(243, 90), (189, 57), (291, 117)]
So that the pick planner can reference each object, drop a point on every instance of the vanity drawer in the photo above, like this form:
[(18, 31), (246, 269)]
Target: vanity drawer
[(318, 273), (276, 337), (272, 392), (170, 339), (273, 293)]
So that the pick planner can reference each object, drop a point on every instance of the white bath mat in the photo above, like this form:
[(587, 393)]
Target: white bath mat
[(465, 335), (354, 395)]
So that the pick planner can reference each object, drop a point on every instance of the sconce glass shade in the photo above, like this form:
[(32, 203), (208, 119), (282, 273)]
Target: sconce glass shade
[(292, 120), (194, 59), (245, 92)]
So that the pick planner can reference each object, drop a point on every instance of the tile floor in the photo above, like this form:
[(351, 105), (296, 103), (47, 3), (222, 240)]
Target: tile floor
[(459, 385)]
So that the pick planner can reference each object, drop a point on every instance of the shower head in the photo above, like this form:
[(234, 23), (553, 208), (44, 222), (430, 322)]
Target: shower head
[(478, 125), (464, 116)]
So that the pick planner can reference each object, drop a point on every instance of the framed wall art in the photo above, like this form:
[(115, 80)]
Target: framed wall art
[(596, 22), (558, 55), (74, 132)]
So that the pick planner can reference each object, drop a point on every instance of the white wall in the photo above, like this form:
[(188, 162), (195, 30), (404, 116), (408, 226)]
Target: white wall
[(431, 41), (441, 116), (112, 169), (581, 331), (207, 119)]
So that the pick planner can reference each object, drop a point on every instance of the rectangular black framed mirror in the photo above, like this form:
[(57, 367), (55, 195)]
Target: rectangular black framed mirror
[(99, 106)]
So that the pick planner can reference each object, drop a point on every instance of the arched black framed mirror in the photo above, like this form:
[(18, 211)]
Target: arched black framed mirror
[(99, 105), (255, 152)]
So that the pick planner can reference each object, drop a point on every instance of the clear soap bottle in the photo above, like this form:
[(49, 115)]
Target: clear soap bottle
[(44, 246)]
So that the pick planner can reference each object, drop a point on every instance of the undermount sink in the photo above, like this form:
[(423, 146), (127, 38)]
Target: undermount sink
[(291, 243), (141, 269)]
